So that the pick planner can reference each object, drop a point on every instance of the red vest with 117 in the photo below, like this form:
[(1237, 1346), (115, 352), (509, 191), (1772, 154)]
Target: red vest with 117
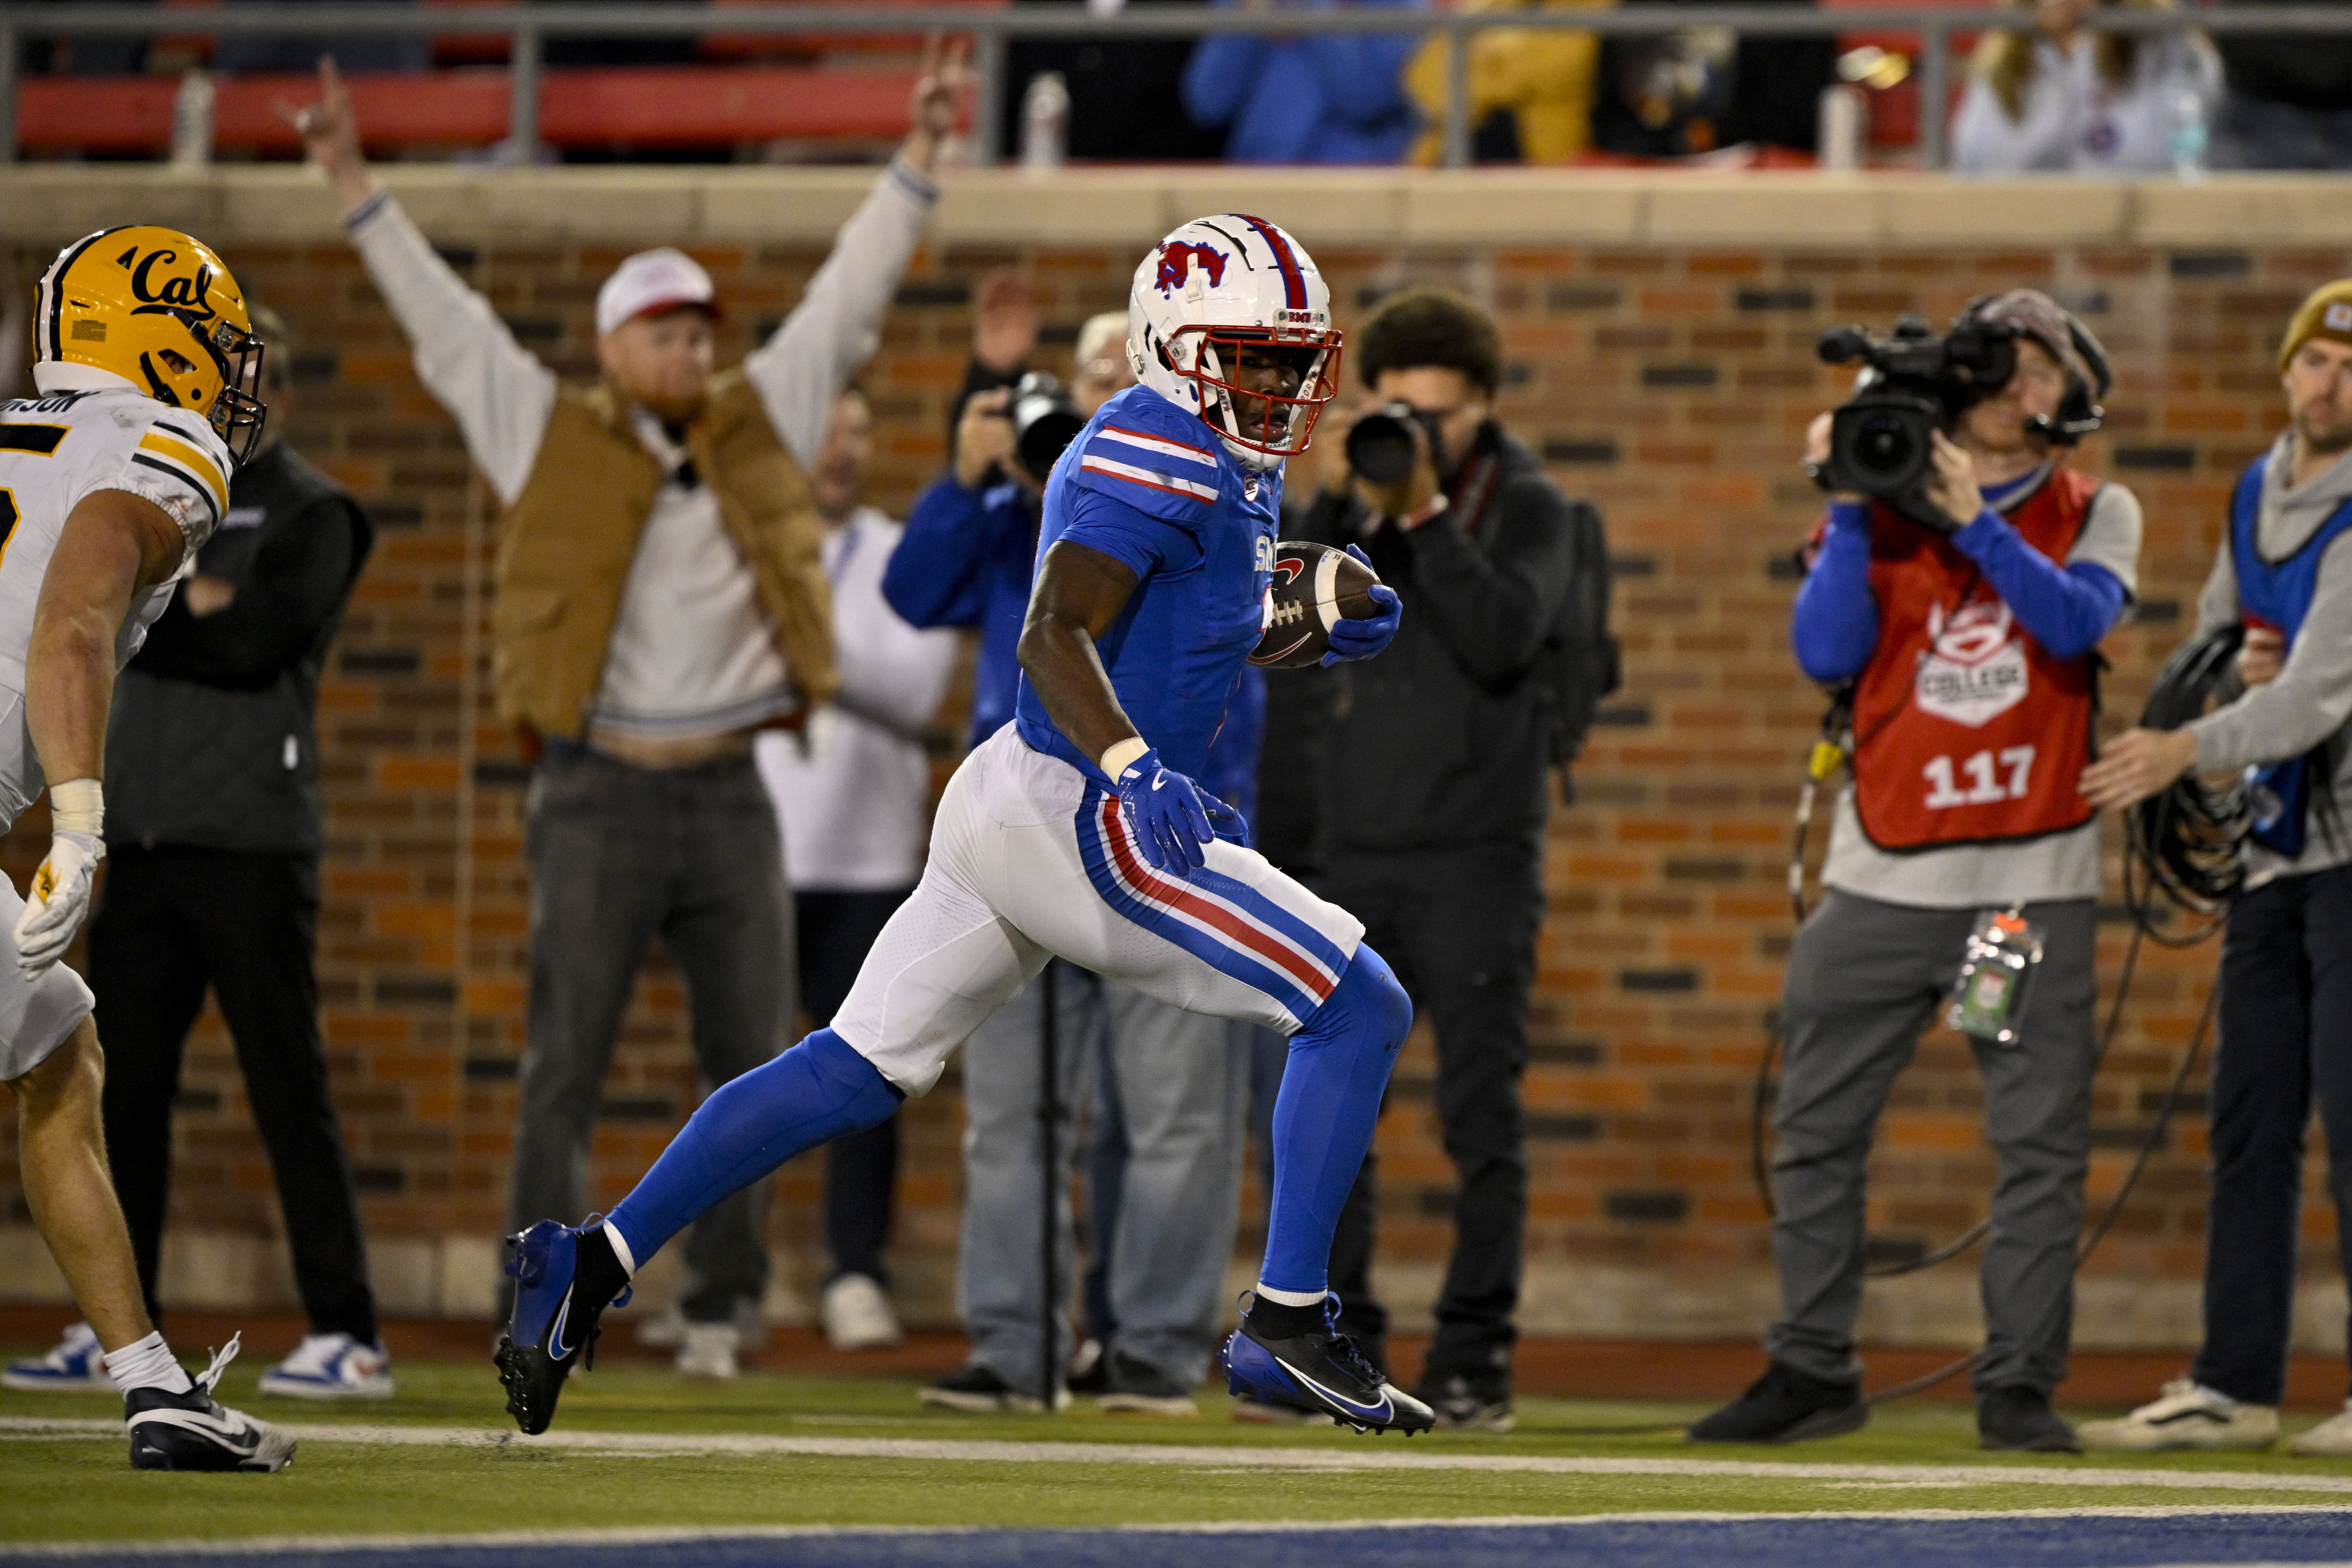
[(1966, 729)]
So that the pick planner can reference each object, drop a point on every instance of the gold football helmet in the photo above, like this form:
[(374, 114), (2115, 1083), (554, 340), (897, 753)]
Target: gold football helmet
[(157, 308)]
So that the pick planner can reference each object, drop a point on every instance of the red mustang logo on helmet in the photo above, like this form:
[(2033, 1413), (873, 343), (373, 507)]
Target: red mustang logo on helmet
[(1176, 262)]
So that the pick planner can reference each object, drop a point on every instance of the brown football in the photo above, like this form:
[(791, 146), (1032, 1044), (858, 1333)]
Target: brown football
[(1314, 586)]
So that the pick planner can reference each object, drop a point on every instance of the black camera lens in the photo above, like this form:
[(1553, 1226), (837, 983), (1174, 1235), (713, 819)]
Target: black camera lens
[(1044, 423), (1379, 446), (1885, 444)]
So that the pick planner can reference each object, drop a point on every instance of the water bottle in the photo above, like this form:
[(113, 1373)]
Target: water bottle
[(1989, 998), (2188, 136), (192, 121), (1045, 122), (1838, 132)]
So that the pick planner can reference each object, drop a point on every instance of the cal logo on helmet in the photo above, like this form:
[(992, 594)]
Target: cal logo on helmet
[(159, 309)]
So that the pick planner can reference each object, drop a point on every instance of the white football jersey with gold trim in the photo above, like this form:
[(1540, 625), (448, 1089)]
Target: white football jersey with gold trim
[(57, 449)]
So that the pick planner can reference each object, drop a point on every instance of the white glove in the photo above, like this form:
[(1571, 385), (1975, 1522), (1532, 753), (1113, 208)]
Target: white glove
[(57, 901)]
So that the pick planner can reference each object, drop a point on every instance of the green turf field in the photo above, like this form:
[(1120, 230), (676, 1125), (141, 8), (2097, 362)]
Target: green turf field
[(637, 1447)]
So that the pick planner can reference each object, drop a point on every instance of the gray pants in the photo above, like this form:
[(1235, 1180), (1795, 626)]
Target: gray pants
[(1182, 1083), (1864, 979), (618, 856)]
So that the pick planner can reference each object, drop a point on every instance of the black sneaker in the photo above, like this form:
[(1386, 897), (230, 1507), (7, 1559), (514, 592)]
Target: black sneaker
[(979, 1389), (1138, 1386), (1468, 1402), (2018, 1419), (1321, 1367), (1785, 1406), (1089, 1370), (192, 1432)]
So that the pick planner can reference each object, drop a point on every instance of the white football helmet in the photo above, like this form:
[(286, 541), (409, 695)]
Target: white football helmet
[(1213, 288)]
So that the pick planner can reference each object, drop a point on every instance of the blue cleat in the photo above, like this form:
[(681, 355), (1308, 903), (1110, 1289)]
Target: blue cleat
[(550, 1331), (1321, 1370)]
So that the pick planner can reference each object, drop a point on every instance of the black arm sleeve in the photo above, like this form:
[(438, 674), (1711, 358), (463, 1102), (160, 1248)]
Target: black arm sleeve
[(296, 589), (1494, 599)]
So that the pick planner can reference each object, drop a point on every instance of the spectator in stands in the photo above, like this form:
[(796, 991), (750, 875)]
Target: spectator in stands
[(2283, 572), (1530, 88), (1124, 92), (1436, 795), (2060, 97), (212, 838), (1705, 89), (1970, 639), (1177, 1080), (853, 803), (2287, 98), (251, 53), (660, 597), (1329, 98)]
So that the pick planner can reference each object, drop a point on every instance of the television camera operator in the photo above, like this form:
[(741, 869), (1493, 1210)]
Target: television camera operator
[(1434, 783), (1964, 605), (2284, 574)]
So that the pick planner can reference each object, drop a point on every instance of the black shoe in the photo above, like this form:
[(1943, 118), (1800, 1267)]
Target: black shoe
[(1089, 1370), (1785, 1406), (2018, 1419), (192, 1432), (979, 1389), (1468, 1402), (1138, 1386), (1313, 1364)]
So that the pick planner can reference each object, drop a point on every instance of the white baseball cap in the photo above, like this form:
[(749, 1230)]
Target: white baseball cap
[(653, 281)]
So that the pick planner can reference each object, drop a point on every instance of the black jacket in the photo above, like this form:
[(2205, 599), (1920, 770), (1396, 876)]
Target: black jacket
[(1442, 740), (214, 742)]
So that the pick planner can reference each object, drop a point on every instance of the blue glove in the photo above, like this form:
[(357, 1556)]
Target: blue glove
[(1169, 814), (1354, 638)]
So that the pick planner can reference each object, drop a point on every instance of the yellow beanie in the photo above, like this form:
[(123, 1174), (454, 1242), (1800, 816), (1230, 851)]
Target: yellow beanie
[(2326, 314)]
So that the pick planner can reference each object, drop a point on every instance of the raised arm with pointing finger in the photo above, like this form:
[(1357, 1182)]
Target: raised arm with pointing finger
[(660, 597)]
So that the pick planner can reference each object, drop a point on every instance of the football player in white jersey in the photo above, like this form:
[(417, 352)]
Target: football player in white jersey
[(111, 478)]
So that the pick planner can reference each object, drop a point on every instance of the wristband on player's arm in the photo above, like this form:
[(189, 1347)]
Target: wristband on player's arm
[(1119, 756), (77, 806)]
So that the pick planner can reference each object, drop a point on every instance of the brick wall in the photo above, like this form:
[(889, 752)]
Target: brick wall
[(1672, 386)]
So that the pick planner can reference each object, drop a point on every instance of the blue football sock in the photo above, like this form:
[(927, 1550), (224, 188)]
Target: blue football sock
[(1323, 1116), (813, 1093)]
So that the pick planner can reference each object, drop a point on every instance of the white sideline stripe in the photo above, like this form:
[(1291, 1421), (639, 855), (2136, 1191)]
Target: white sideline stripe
[(672, 1535), (1361, 1456)]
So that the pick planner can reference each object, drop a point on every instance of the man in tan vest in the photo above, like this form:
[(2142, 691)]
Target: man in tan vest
[(660, 597)]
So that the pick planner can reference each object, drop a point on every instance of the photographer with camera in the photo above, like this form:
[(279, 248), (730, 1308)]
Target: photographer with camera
[(2284, 574), (1174, 1084), (1965, 577), (1434, 780)]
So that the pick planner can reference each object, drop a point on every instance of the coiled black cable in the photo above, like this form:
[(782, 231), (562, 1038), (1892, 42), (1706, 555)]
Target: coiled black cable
[(2184, 844)]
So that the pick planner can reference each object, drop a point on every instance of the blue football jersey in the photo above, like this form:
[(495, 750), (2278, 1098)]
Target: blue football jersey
[(1149, 485)]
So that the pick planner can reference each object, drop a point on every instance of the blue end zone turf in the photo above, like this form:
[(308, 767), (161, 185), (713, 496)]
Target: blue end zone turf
[(2104, 1540)]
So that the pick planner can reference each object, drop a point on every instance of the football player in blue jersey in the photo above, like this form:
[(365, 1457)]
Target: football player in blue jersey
[(1077, 830)]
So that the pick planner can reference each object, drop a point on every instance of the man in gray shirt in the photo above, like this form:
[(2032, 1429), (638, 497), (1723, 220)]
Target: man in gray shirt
[(2284, 573), (1969, 646)]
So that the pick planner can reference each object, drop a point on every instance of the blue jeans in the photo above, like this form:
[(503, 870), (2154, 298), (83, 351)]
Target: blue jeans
[(1175, 1085)]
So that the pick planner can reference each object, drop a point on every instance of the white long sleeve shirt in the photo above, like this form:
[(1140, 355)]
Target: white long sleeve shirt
[(2074, 121), (692, 653), (853, 792)]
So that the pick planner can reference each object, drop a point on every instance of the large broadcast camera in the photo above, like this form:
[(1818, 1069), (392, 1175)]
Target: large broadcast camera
[(1881, 440)]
